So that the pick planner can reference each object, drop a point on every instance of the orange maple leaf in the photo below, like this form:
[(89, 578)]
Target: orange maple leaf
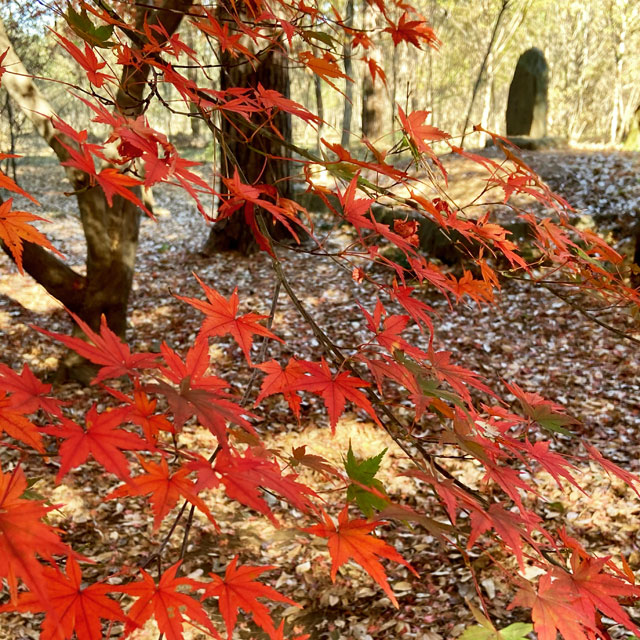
[(71, 606), (102, 439), (165, 489), (222, 318), (23, 534), (15, 228), (351, 539), (240, 590), (165, 603), (335, 390)]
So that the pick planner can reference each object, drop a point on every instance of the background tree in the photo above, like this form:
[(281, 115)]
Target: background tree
[(110, 221), (257, 149)]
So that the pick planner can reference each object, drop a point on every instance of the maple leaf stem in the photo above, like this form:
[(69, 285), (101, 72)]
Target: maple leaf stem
[(264, 345)]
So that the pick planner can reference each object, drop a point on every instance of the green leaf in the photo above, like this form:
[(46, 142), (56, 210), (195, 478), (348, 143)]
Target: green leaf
[(552, 421), (516, 631), (85, 29), (364, 472), (323, 37), (478, 633)]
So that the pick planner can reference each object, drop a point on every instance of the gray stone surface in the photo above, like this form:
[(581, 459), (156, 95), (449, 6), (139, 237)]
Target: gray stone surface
[(527, 104)]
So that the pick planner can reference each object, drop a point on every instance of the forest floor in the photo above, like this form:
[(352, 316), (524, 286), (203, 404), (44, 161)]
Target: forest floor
[(529, 336)]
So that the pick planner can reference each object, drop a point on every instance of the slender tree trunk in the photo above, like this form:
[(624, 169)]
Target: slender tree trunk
[(374, 96), (348, 85), (474, 93), (246, 149), (111, 232)]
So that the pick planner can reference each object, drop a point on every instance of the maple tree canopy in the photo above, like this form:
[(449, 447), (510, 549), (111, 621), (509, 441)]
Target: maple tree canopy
[(404, 382)]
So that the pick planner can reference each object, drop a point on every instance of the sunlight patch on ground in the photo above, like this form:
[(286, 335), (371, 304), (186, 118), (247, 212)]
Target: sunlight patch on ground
[(27, 293), (74, 507)]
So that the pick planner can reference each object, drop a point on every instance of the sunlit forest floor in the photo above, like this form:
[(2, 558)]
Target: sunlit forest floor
[(528, 336)]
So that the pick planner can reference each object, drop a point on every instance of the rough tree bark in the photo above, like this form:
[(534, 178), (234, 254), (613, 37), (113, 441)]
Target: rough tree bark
[(244, 147), (111, 232)]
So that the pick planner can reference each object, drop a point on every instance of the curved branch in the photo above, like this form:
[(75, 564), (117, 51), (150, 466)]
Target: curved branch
[(59, 279)]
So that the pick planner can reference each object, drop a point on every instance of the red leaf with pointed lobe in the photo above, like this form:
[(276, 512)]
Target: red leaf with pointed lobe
[(239, 589), (243, 475), (71, 608), (165, 489), (166, 604), (102, 439), (351, 540), (28, 393), (23, 534), (107, 350), (87, 60), (282, 380), (15, 229), (222, 318), (627, 477), (14, 424), (198, 393), (335, 390), (7, 183), (140, 410)]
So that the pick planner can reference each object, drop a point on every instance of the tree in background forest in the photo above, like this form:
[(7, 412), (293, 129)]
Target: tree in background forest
[(257, 150), (109, 208), (144, 437)]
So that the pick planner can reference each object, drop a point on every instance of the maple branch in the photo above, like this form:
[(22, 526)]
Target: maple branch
[(165, 540), (589, 316), (338, 357), (59, 279)]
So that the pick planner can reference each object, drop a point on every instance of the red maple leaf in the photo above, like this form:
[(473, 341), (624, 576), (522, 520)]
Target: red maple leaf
[(165, 489), (325, 67), (627, 477), (5, 181), (23, 534), (115, 183), (553, 611), (282, 380), (222, 318), (351, 539), (107, 350), (569, 602), (412, 31), (87, 60), (243, 475), (335, 390), (140, 410), (198, 393), (15, 229), (392, 326), (101, 439), (71, 607), (240, 590), (166, 604), (28, 393), (456, 376), (14, 424)]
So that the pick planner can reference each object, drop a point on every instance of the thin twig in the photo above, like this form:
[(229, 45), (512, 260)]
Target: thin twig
[(591, 317)]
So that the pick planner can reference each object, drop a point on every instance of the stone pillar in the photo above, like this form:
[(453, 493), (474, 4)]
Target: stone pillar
[(527, 104)]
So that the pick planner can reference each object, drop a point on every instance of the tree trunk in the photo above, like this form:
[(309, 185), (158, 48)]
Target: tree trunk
[(374, 96), (348, 84), (111, 232), (244, 147)]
